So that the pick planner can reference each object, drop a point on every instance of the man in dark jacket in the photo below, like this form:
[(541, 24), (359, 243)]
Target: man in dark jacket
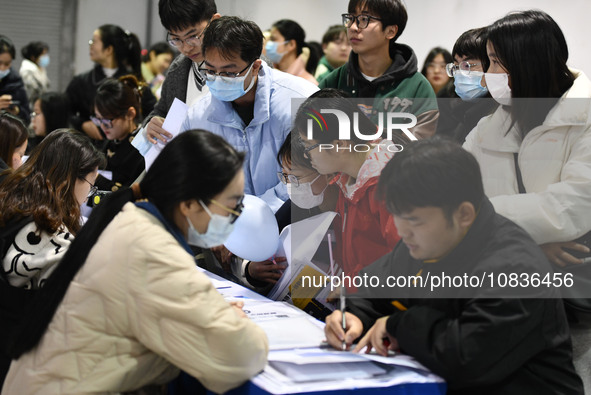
[(479, 332), (382, 70)]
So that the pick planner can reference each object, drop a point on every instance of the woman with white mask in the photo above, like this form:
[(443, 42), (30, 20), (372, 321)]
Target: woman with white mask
[(129, 279), (535, 149)]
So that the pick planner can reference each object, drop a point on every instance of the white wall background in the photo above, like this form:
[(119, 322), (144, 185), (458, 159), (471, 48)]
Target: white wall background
[(431, 22)]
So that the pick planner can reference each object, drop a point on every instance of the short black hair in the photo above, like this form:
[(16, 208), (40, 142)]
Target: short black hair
[(291, 30), (431, 173), (333, 33), (56, 110), (158, 48), (6, 46), (232, 35), (472, 44), (292, 153), (183, 14), (34, 49), (391, 12)]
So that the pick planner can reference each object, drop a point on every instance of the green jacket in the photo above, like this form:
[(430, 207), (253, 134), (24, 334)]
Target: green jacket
[(400, 89)]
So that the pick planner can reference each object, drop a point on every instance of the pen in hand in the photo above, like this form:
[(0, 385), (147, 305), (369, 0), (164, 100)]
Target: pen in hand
[(344, 322)]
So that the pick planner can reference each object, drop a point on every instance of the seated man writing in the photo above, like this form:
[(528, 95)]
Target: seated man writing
[(477, 338)]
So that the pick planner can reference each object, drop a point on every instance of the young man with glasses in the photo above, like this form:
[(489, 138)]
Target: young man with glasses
[(249, 104), (380, 69), (185, 21)]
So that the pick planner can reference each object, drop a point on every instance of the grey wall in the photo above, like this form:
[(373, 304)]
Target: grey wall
[(431, 22)]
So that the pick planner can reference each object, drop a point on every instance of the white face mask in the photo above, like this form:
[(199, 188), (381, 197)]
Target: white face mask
[(498, 86), (218, 230), (302, 195)]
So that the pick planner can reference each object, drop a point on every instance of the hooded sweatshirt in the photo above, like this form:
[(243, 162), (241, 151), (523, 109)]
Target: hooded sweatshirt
[(400, 89)]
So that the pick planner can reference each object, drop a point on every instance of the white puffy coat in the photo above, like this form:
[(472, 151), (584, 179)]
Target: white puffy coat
[(555, 163), (136, 312)]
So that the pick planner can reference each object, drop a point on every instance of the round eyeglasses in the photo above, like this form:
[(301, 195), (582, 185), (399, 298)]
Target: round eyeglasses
[(362, 20), (192, 41), (463, 67), (102, 122)]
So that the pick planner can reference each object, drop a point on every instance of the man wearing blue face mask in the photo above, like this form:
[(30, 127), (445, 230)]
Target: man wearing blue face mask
[(458, 116), (249, 104)]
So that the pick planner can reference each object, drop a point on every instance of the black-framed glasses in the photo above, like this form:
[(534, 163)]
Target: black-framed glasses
[(211, 75), (102, 122), (463, 68), (308, 149), (362, 20), (192, 41), (234, 212), (93, 189)]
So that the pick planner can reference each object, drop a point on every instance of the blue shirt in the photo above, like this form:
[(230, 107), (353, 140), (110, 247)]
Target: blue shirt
[(265, 134)]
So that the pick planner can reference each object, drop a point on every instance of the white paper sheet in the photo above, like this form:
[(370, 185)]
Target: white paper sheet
[(172, 124)]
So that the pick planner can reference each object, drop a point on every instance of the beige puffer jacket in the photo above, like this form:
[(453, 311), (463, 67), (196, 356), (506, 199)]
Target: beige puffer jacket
[(136, 312)]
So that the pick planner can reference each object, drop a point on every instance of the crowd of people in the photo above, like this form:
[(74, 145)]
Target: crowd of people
[(492, 174)]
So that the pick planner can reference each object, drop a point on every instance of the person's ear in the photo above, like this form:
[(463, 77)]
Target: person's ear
[(291, 44), (256, 65), (391, 31), (216, 16), (131, 113), (109, 50), (465, 215), (152, 55), (189, 206), (341, 143)]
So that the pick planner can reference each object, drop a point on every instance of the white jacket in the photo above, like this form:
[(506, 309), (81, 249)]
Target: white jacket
[(555, 163), (136, 312)]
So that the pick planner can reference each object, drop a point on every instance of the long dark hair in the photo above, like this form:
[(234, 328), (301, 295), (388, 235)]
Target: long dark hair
[(115, 96), (126, 48), (533, 50), (195, 165), (43, 187), (13, 134)]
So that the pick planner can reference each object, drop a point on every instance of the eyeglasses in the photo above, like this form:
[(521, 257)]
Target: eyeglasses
[(234, 212), (463, 68), (192, 41), (102, 122), (93, 189), (362, 20), (228, 76), (308, 149), (292, 178)]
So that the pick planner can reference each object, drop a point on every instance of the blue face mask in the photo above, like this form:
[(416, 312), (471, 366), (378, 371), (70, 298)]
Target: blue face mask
[(4, 73), (44, 61), (468, 86), (229, 89), (271, 51), (218, 230)]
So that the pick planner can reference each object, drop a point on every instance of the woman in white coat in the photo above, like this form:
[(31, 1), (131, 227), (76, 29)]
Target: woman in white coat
[(545, 119), (127, 308), (542, 130)]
